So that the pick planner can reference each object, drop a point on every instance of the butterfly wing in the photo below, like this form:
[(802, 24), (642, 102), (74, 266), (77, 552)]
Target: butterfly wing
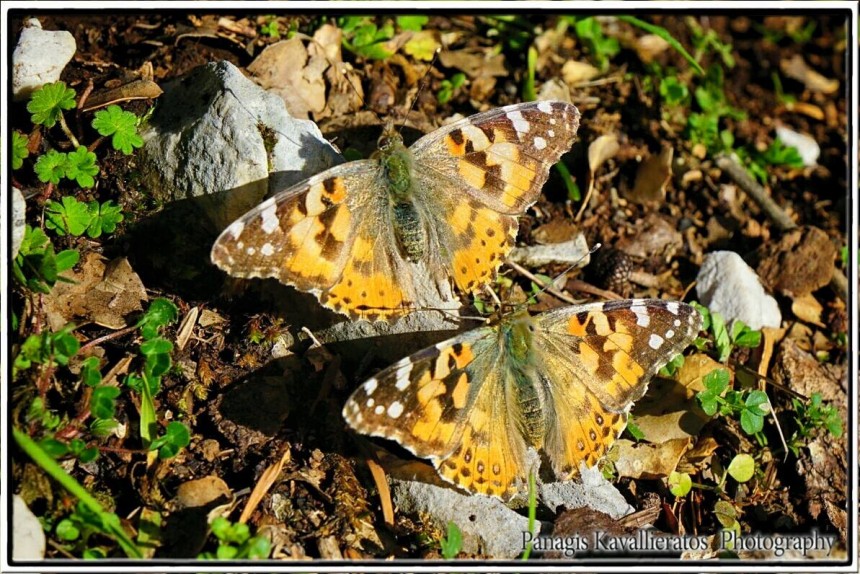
[(478, 175), (327, 236), (599, 358), (448, 403)]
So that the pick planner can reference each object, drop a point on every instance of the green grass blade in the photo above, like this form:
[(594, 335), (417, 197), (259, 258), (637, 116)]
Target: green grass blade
[(663, 33), (55, 471)]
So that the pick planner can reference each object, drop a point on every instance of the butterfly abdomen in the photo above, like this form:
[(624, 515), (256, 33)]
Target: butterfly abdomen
[(408, 231), (527, 392), (396, 164)]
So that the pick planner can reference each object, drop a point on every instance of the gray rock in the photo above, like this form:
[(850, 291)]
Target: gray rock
[(19, 208), (592, 490), (491, 527), (728, 285), (488, 526), (39, 58), (216, 131)]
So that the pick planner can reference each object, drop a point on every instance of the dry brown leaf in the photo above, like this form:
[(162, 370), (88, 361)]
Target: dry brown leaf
[(651, 178), (646, 460), (186, 327), (138, 89), (475, 63), (287, 70), (603, 148), (574, 73), (699, 455), (808, 309), (797, 69), (202, 492), (670, 410), (104, 293)]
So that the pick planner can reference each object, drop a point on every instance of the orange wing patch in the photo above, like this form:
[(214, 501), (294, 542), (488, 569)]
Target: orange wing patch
[(489, 458), (480, 238)]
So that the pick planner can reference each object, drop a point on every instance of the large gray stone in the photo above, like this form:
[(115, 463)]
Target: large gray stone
[(217, 132)]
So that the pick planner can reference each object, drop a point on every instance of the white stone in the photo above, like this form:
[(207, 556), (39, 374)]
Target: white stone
[(19, 208), (39, 58), (728, 285), (805, 145), (28, 538)]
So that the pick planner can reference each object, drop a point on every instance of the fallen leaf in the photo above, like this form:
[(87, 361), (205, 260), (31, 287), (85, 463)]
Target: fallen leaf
[(603, 148), (137, 89), (287, 70), (651, 178), (797, 69), (202, 492), (807, 309), (422, 45), (670, 409), (646, 460), (574, 73), (475, 63), (104, 293)]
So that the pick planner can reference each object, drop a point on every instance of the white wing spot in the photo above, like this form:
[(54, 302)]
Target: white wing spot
[(369, 387), (267, 249), (519, 122), (402, 377), (677, 322), (370, 402), (672, 307), (552, 121), (540, 143), (550, 133), (642, 317), (545, 107), (395, 409), (670, 333), (251, 251), (236, 228), (269, 216), (655, 341), (379, 410)]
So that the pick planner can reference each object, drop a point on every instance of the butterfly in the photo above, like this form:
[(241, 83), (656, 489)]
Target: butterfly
[(561, 382), (375, 239)]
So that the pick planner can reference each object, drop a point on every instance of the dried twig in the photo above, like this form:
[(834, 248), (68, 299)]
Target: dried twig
[(729, 164)]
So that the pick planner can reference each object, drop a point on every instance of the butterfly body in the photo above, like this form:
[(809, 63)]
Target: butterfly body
[(561, 382), (374, 239)]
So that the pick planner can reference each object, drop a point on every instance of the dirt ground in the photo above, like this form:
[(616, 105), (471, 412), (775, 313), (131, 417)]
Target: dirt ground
[(262, 401)]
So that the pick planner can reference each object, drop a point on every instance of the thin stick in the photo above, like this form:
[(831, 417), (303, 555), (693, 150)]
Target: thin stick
[(739, 175), (547, 286)]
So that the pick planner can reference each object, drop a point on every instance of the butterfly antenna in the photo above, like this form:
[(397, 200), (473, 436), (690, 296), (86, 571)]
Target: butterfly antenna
[(549, 286), (421, 86)]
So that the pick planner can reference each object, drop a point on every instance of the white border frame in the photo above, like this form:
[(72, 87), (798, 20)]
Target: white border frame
[(417, 566)]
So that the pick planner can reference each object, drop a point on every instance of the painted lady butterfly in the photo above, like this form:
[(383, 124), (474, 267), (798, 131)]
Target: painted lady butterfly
[(562, 381), (378, 238)]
